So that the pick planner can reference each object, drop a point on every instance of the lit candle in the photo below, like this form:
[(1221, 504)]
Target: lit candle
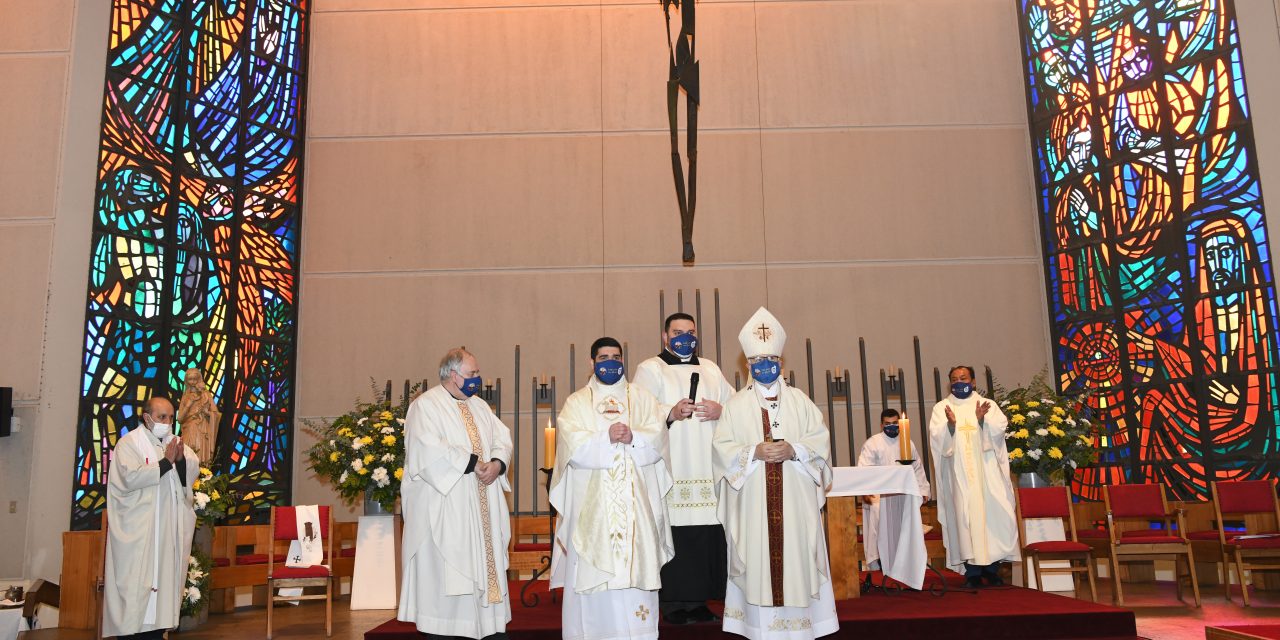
[(904, 438), (549, 450)]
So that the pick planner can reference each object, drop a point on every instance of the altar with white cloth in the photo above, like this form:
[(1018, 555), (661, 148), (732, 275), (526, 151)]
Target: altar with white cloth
[(901, 534)]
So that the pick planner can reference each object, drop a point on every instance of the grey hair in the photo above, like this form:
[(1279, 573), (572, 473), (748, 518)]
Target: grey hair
[(451, 361)]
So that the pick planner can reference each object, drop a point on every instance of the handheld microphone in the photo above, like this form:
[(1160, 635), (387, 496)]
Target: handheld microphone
[(693, 386)]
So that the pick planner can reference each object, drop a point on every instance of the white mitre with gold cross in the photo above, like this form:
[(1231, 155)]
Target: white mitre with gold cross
[(763, 335)]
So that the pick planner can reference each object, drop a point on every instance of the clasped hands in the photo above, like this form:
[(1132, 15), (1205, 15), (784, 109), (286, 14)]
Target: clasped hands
[(686, 408), (619, 432), (776, 451), (487, 472), (980, 411), (173, 451)]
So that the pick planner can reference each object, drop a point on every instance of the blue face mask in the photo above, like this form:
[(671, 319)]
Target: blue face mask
[(683, 345), (961, 389), (470, 386), (765, 371), (891, 430), (610, 371)]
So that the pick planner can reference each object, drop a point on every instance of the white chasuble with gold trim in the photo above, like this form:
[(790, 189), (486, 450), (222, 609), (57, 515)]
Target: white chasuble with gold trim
[(613, 534)]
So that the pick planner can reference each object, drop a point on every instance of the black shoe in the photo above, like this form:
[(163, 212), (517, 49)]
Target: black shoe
[(973, 582), (677, 617), (702, 614), (994, 580)]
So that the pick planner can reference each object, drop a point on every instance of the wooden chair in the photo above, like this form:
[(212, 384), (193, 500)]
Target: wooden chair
[(344, 561), (1147, 502), (284, 529), (524, 554), (1052, 502), (41, 592), (1255, 499), (935, 550)]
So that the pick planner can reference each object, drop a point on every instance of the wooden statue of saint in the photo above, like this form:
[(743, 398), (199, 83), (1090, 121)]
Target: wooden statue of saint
[(199, 417)]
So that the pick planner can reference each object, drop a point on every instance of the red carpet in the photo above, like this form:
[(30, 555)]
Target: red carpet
[(1244, 631), (1005, 612)]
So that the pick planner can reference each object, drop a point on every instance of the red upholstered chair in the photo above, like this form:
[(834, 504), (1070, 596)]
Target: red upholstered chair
[(284, 529), (1053, 502), (1147, 502), (1256, 498)]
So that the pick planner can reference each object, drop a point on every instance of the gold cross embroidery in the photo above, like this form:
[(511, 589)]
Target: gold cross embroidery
[(642, 613)]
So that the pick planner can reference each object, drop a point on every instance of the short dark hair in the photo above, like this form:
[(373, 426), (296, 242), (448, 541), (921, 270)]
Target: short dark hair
[(679, 315), (888, 413), (601, 343), (972, 374)]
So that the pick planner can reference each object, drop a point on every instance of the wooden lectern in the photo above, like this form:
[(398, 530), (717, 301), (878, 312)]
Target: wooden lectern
[(844, 546)]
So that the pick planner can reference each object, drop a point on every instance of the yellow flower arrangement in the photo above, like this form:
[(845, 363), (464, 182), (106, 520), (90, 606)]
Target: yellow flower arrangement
[(360, 452), (1052, 436)]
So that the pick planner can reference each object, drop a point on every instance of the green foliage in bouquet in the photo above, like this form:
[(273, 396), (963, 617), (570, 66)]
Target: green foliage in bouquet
[(195, 595), (363, 451), (214, 497), (1048, 433)]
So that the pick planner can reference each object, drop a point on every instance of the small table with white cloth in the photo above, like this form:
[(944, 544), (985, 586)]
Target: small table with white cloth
[(901, 534), (11, 622)]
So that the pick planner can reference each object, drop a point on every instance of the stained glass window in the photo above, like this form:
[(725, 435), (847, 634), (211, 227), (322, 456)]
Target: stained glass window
[(1157, 260), (195, 239)]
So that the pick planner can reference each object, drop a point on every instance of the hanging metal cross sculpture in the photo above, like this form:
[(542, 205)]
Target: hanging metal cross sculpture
[(683, 76)]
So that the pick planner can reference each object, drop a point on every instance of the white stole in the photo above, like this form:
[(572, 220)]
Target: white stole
[(308, 549)]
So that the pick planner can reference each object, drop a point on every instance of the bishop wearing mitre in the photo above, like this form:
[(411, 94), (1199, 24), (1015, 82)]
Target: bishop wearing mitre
[(771, 448), (609, 486)]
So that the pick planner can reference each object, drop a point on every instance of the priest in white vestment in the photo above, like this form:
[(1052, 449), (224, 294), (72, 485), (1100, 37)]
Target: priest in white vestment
[(882, 450), (609, 486), (771, 449), (456, 521), (975, 496), (150, 521), (698, 571)]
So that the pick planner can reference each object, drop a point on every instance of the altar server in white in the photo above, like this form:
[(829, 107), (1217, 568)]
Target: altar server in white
[(609, 487), (456, 522), (697, 572), (975, 497), (150, 520), (882, 450), (771, 449)]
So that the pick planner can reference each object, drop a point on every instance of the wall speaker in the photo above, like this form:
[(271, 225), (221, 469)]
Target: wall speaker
[(6, 410)]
